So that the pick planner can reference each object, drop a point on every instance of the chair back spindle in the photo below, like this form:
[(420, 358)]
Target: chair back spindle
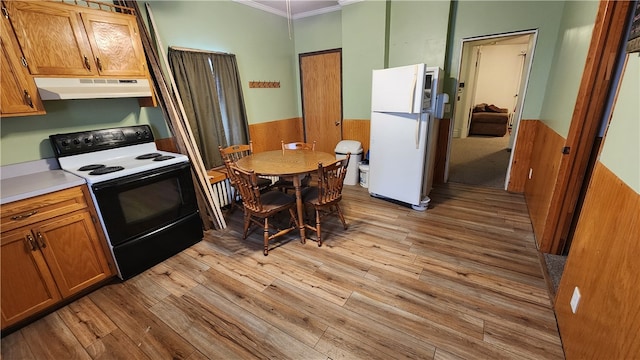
[(325, 197), (331, 181), (298, 145), (247, 184)]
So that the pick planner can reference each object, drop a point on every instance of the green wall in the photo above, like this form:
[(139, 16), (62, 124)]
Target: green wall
[(418, 32), (376, 35), (26, 138), (261, 41), (479, 18), (570, 55), (320, 32), (363, 50), (316, 33), (621, 149)]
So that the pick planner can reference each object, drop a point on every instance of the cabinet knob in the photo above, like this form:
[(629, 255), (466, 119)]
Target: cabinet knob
[(30, 243), (86, 63), (41, 242), (27, 99), (99, 64)]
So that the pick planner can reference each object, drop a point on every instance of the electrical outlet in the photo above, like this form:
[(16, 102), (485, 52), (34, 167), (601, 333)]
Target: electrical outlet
[(575, 300), (530, 173)]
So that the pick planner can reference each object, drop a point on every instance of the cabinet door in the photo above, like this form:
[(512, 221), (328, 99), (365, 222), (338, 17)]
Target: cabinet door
[(19, 93), (115, 43), (52, 38), (27, 286), (72, 249)]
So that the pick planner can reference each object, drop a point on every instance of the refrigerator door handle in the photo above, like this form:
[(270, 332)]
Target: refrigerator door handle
[(418, 131), (413, 88)]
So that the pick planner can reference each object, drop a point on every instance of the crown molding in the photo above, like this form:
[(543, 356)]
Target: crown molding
[(271, 10)]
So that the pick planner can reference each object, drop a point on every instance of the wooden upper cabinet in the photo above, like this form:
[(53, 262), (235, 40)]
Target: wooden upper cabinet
[(19, 94), (61, 39), (115, 43), (52, 38)]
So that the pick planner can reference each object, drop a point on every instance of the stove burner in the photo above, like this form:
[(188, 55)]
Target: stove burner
[(164, 157), (106, 170), (148, 156), (91, 167)]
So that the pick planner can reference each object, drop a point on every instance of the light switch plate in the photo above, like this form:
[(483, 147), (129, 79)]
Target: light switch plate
[(575, 300)]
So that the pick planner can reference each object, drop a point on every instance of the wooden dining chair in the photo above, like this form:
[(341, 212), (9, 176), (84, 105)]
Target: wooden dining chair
[(260, 207), (233, 153), (285, 185), (298, 145), (326, 196)]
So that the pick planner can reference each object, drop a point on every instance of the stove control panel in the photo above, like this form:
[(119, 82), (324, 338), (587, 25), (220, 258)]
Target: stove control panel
[(103, 139)]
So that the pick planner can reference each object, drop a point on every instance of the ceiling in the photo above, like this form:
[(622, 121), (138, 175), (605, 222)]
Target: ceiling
[(298, 8)]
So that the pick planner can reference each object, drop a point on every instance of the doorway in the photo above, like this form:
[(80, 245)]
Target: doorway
[(321, 93), (493, 75)]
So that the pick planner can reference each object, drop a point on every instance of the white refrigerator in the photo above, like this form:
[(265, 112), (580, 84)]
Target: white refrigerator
[(404, 103)]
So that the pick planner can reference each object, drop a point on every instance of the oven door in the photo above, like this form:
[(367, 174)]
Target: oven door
[(143, 203)]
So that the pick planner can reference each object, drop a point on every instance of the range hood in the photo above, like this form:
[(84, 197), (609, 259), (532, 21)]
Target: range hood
[(91, 88)]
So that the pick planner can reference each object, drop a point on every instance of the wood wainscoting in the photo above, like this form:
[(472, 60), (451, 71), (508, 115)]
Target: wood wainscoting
[(522, 155), (544, 171), (603, 264), (359, 130), (268, 135)]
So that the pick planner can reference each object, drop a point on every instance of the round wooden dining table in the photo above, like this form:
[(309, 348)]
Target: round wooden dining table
[(287, 163)]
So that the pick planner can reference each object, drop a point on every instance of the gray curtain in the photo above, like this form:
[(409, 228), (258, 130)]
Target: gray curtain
[(211, 92)]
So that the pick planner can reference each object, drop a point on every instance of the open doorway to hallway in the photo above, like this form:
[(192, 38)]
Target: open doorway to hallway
[(492, 78)]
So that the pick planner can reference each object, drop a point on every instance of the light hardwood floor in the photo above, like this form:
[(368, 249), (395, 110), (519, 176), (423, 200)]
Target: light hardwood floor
[(460, 281)]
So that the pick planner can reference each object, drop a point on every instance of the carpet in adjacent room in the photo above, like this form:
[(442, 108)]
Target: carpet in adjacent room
[(479, 160)]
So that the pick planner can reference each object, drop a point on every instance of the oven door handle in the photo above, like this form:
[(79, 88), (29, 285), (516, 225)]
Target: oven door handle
[(135, 178)]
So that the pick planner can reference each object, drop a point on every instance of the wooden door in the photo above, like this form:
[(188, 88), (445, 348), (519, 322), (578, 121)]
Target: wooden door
[(115, 43), (321, 86), (27, 284)]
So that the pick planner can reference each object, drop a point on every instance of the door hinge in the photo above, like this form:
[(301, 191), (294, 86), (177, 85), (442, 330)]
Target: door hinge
[(5, 12), (24, 62), (566, 150)]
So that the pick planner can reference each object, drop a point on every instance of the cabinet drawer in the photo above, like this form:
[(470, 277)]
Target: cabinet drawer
[(43, 207)]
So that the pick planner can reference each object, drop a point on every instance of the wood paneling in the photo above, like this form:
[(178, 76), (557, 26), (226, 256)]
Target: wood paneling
[(609, 32), (522, 155), (167, 144), (357, 129), (441, 151), (603, 264), (544, 164), (461, 280), (267, 135)]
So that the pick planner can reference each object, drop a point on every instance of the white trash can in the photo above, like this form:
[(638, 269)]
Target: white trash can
[(355, 148), (364, 174)]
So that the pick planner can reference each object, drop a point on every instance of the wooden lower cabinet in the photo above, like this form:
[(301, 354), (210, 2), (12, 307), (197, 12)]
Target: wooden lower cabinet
[(45, 262), (27, 284)]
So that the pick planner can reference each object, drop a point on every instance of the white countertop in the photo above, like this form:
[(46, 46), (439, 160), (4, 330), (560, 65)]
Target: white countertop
[(25, 180)]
